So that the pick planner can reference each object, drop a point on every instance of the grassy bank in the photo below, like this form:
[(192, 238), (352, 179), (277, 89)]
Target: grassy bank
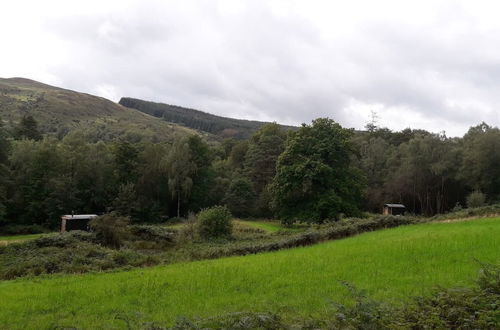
[(4, 240), (392, 264)]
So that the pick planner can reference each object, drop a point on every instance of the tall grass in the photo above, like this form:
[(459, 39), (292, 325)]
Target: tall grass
[(391, 264)]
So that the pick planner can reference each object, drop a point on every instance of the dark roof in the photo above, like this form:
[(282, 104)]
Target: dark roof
[(395, 206)]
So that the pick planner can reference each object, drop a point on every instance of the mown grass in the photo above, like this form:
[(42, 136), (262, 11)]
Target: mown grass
[(272, 226), (392, 265), (18, 238)]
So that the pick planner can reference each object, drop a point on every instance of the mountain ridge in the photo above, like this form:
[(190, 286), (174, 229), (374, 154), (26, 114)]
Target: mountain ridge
[(224, 127), (60, 111)]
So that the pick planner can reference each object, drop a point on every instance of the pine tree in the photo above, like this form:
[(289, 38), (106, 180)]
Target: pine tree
[(28, 129)]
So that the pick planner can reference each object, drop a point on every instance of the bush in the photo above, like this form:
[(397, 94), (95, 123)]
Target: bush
[(215, 222), (63, 240), (153, 233), (188, 232), (475, 199), (110, 229)]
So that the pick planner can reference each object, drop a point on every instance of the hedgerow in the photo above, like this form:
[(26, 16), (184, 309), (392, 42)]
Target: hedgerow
[(79, 252)]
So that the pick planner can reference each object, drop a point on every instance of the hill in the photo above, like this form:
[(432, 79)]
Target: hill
[(222, 126), (59, 111), (392, 264)]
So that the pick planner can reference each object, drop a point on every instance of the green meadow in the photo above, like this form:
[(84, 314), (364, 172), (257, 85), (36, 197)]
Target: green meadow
[(18, 238), (272, 226), (392, 265)]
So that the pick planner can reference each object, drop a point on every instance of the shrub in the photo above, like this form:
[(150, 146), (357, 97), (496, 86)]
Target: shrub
[(153, 233), (215, 222), (475, 199), (63, 240), (110, 229), (188, 232)]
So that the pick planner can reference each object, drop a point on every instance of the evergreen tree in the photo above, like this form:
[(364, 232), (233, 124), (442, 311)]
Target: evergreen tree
[(28, 129), (125, 203)]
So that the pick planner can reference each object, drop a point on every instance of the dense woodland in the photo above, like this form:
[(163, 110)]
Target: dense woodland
[(203, 121), (320, 172)]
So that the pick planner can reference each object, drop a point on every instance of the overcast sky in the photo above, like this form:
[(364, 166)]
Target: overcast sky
[(419, 64)]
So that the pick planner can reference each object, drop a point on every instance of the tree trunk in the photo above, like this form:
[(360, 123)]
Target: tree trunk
[(178, 205)]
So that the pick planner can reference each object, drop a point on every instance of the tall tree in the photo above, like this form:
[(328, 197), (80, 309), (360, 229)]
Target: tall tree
[(481, 158), (314, 178), (152, 185), (5, 175), (203, 179), (264, 148), (180, 168), (126, 162), (240, 197)]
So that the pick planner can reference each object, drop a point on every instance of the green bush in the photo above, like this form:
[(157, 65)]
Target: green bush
[(488, 210), (215, 222), (475, 199), (110, 229)]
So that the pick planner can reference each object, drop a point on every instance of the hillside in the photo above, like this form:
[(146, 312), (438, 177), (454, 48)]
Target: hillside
[(393, 265), (222, 126), (59, 111)]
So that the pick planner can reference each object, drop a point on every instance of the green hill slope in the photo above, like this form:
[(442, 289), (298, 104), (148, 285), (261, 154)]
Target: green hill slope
[(392, 265), (203, 121), (59, 111)]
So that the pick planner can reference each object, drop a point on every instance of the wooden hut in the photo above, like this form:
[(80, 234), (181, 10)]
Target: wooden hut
[(394, 209), (76, 222)]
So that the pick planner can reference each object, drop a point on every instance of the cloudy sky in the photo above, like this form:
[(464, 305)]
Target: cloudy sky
[(419, 64)]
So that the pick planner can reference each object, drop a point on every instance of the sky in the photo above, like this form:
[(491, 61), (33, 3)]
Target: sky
[(420, 64)]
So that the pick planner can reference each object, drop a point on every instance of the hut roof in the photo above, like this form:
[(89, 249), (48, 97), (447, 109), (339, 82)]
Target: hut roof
[(78, 216), (399, 206)]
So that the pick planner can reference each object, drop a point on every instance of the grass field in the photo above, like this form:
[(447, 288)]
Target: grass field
[(17, 238), (391, 264), (271, 226)]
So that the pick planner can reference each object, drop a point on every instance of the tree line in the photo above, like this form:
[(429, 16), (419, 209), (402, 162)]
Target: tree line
[(319, 172), (203, 121)]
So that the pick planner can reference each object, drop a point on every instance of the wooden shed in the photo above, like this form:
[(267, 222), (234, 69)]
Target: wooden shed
[(394, 209), (76, 222)]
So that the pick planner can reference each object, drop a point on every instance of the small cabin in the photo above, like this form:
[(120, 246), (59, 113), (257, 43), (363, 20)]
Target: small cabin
[(76, 222), (394, 209)]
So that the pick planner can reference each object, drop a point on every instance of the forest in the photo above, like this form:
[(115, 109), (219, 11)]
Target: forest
[(203, 121), (320, 172)]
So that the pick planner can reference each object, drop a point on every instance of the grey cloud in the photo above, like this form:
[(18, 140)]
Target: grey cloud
[(257, 64)]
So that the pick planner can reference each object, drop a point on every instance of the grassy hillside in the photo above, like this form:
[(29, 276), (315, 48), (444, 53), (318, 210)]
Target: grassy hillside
[(392, 264), (221, 126), (59, 111)]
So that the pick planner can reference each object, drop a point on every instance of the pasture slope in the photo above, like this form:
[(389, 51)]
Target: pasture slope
[(391, 264)]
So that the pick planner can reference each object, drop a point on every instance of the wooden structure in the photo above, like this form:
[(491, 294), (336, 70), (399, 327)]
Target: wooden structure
[(76, 222), (394, 209)]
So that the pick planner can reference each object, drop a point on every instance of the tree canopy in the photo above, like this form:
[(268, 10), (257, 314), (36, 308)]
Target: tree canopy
[(314, 178)]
